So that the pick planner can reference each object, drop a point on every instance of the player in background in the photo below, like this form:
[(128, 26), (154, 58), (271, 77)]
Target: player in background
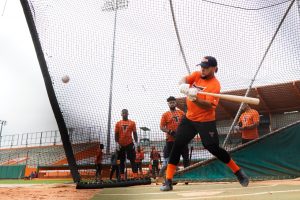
[(168, 124), (248, 123), (155, 160), (98, 162), (124, 130), (114, 165), (200, 118), (139, 160)]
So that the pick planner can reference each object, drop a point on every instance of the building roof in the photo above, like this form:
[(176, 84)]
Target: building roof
[(274, 99)]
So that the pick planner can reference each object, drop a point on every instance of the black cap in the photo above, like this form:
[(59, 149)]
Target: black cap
[(171, 98), (208, 61)]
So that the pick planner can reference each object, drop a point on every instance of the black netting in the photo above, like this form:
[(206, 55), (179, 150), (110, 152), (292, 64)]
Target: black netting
[(128, 50)]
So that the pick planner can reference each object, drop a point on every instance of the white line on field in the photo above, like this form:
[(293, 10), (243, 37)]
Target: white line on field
[(234, 195), (182, 192)]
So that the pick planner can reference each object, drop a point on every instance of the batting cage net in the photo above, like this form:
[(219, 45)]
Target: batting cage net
[(99, 57)]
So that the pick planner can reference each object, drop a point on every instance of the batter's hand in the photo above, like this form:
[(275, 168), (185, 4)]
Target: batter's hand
[(184, 88), (118, 147), (192, 94), (237, 129), (172, 133)]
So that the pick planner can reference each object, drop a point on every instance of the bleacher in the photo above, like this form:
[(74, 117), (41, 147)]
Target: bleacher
[(41, 155)]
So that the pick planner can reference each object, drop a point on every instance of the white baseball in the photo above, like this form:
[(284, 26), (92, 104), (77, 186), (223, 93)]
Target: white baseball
[(65, 79)]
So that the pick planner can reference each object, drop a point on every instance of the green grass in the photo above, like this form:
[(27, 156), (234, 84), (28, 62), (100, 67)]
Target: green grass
[(34, 181)]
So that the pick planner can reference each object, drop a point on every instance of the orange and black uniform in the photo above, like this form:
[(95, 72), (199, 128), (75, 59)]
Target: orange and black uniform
[(170, 120), (125, 128), (138, 160), (114, 166), (155, 157), (98, 162), (249, 118), (199, 120)]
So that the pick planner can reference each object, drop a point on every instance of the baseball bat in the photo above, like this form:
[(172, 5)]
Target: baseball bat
[(235, 98)]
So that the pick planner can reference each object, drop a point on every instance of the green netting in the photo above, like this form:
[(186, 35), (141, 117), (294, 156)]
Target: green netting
[(275, 156)]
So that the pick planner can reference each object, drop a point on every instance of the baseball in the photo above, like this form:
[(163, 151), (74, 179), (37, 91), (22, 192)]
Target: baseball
[(65, 79)]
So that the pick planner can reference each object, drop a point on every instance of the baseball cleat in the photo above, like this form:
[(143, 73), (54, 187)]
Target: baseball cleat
[(242, 178)]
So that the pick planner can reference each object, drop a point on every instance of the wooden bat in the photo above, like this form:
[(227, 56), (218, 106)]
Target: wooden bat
[(235, 98)]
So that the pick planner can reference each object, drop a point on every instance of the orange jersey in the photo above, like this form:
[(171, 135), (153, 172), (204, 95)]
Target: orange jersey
[(154, 155), (139, 156), (99, 157), (194, 112), (248, 118), (125, 128), (170, 120)]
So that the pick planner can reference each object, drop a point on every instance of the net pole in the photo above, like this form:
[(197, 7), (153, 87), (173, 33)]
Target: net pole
[(298, 3), (178, 37), (4, 8), (51, 93), (259, 67), (111, 83)]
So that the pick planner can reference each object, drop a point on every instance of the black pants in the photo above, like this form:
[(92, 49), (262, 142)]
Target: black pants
[(184, 153), (115, 168), (98, 170), (129, 152), (139, 167), (188, 129), (155, 168)]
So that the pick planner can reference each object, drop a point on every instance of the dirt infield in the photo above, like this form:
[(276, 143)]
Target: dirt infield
[(44, 191)]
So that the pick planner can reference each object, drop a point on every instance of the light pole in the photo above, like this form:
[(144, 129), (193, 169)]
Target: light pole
[(2, 123)]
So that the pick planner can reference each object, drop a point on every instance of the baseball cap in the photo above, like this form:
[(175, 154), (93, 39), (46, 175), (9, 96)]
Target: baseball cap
[(208, 61)]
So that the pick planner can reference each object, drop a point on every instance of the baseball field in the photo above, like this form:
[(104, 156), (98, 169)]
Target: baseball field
[(64, 189)]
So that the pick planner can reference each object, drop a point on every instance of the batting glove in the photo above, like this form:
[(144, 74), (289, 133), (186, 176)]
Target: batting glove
[(184, 88), (237, 129), (172, 133), (192, 94), (118, 147)]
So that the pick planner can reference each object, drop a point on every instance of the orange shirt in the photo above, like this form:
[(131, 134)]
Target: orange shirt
[(99, 157), (194, 112), (125, 128), (249, 118), (154, 155), (171, 120), (139, 156)]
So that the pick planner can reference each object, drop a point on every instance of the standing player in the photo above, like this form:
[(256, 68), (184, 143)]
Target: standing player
[(139, 159), (168, 124), (155, 159), (124, 130), (98, 162), (114, 165), (200, 118), (248, 123)]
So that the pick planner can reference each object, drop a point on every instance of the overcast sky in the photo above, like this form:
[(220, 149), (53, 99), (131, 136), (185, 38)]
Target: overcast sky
[(24, 102)]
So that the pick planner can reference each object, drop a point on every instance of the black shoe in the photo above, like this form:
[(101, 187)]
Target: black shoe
[(168, 185), (242, 177)]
